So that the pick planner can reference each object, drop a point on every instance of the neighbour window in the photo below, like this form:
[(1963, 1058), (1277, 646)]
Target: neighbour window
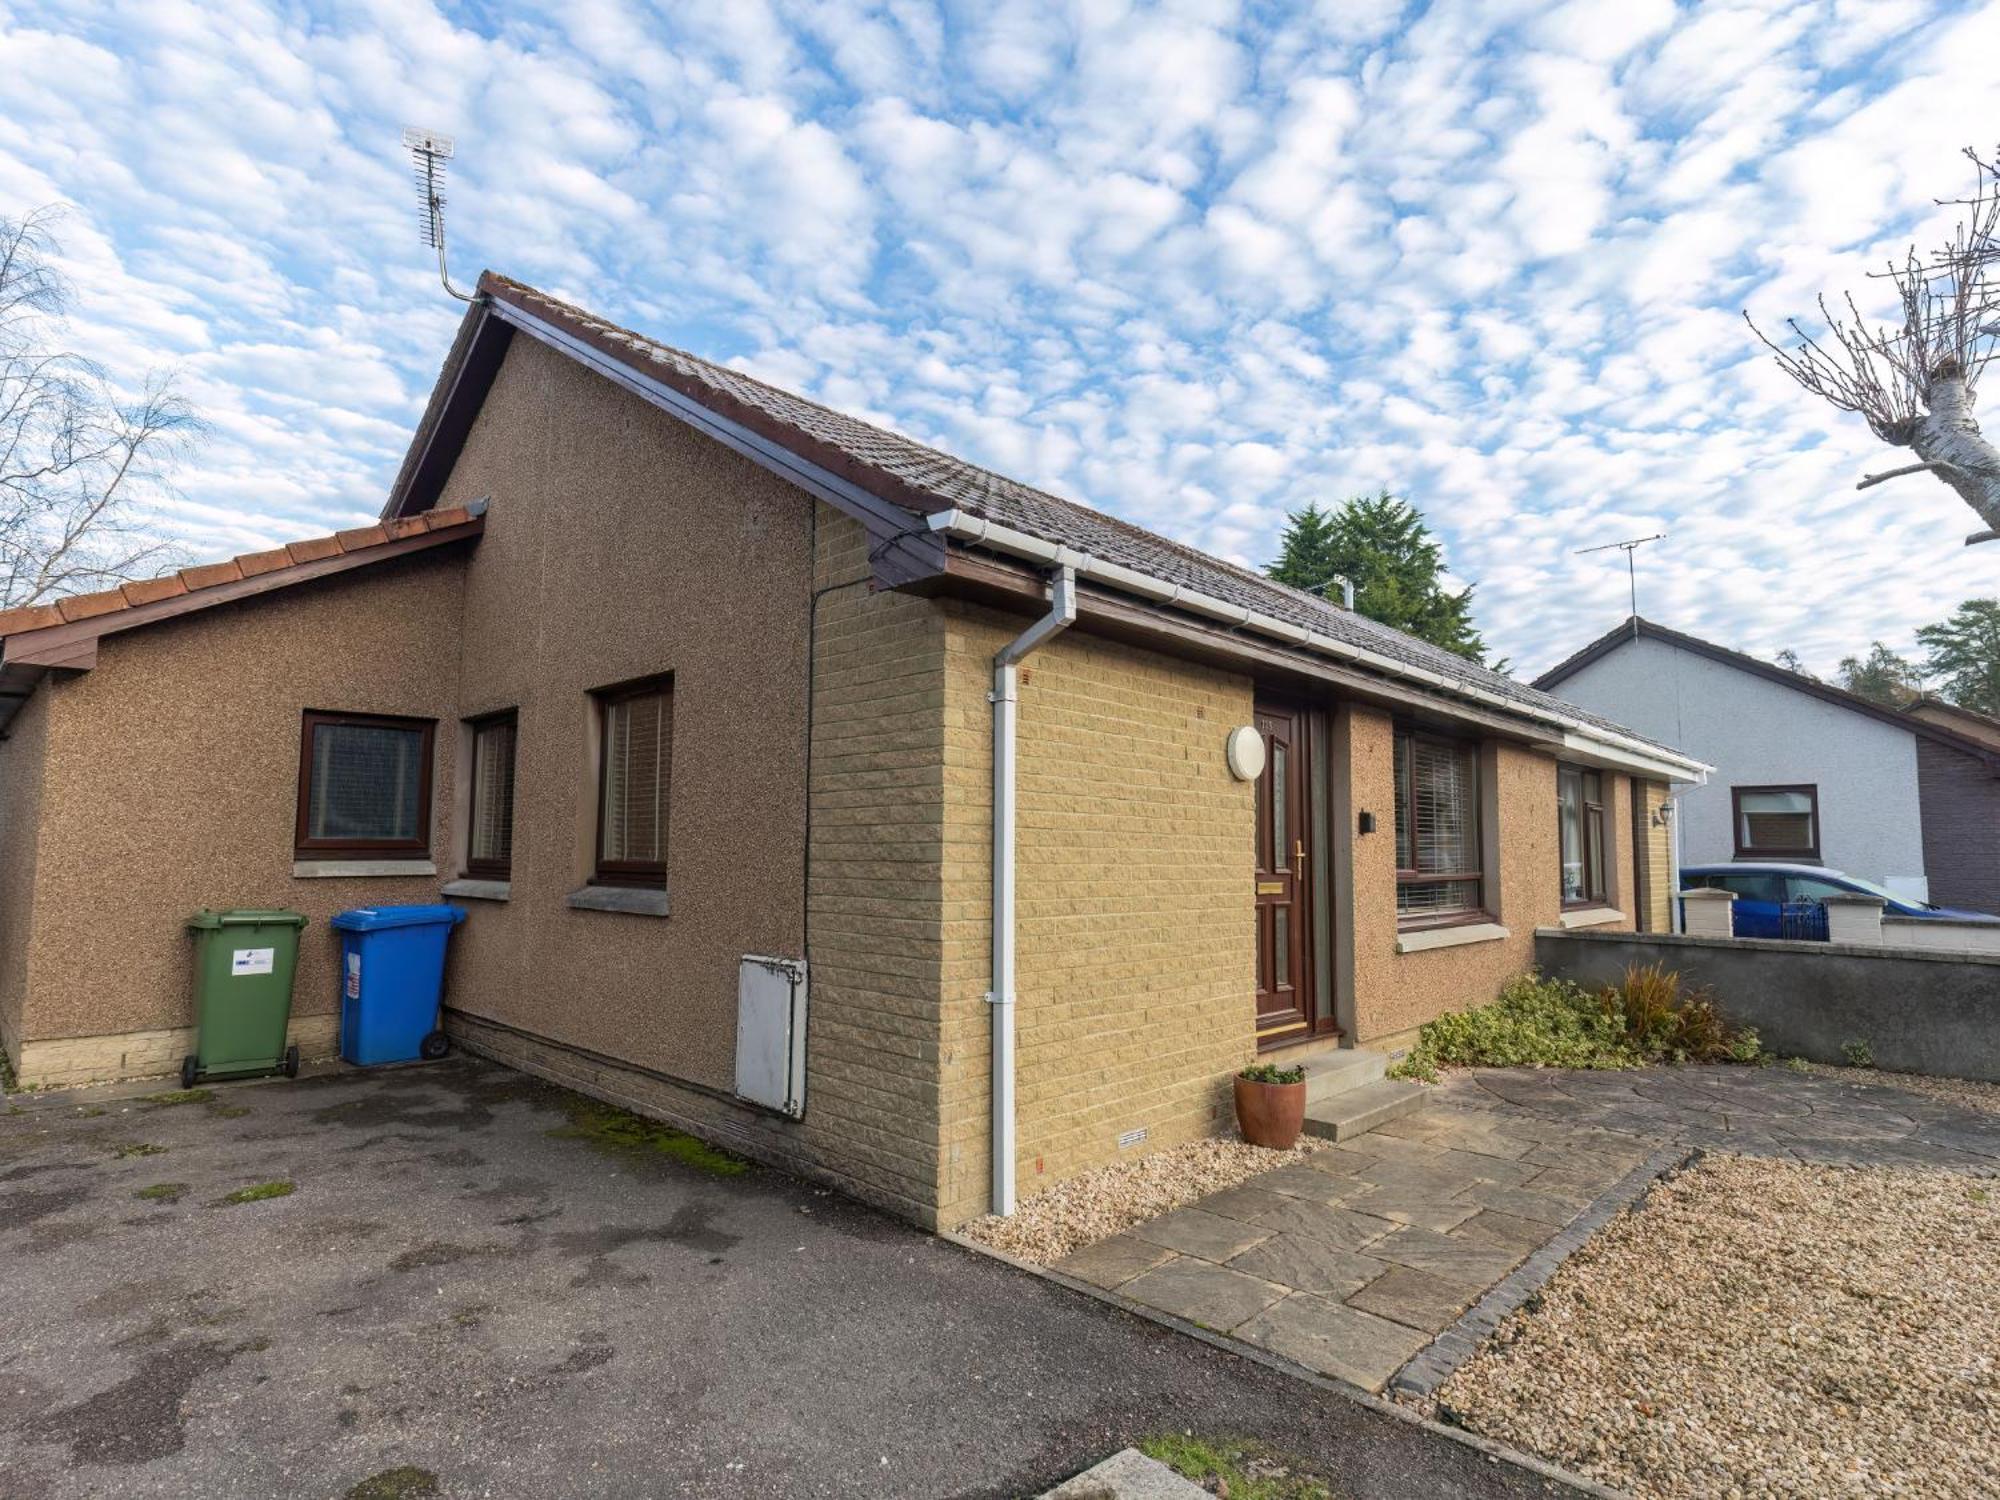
[(1437, 828), (489, 850), (636, 733), (1776, 822), (364, 786), (1580, 817)]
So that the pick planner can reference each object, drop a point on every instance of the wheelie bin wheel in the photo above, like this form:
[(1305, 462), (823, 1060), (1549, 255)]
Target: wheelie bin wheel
[(190, 1071), (436, 1045), (291, 1062)]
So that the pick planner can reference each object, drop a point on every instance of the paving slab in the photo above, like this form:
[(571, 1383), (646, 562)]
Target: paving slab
[(1416, 1298), (1491, 1227), (1204, 1293), (1448, 1255), (1195, 1231), (1423, 1203), (1555, 1209), (1337, 1226), (1309, 1265), (1334, 1339), (1304, 1182), (1113, 1262), (1127, 1475)]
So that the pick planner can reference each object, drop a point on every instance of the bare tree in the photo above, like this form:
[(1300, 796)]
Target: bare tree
[(1915, 381), (73, 456)]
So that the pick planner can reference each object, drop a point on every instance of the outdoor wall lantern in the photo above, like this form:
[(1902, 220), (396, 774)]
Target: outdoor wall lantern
[(1245, 752)]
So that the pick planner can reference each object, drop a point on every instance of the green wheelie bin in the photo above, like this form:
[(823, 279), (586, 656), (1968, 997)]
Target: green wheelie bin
[(243, 966)]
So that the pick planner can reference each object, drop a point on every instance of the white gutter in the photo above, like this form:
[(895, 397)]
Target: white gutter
[(1618, 749), (1006, 675)]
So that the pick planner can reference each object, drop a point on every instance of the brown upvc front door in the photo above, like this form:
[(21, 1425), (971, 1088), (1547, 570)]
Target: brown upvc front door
[(1284, 863)]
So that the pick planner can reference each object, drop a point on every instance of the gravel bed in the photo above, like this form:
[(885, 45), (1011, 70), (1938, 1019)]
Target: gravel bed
[(1760, 1328), (1966, 1093), (1097, 1204)]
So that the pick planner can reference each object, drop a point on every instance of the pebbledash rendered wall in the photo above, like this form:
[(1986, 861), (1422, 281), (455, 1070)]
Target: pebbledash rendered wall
[(166, 779)]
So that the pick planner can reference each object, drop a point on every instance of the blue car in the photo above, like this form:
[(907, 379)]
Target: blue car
[(1763, 889)]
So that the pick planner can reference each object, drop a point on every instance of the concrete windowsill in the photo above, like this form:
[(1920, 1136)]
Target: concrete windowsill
[(1592, 916), (1418, 939), (469, 889), (634, 901), (329, 869)]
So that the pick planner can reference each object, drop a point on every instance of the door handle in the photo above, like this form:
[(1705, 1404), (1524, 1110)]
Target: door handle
[(1299, 860)]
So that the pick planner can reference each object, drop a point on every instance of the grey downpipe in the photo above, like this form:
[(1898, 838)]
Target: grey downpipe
[(1006, 686)]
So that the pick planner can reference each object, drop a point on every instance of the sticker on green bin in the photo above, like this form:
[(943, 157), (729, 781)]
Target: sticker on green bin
[(251, 961)]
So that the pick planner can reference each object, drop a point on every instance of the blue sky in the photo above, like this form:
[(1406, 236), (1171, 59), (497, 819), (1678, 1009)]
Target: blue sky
[(1192, 263)]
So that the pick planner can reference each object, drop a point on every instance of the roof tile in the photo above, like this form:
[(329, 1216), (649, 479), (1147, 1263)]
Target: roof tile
[(362, 536), (148, 590), (29, 617), (405, 526), (456, 515), (208, 575), (254, 563), (88, 606), (313, 549)]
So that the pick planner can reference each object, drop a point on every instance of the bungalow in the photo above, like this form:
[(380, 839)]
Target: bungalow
[(1806, 772), (811, 788)]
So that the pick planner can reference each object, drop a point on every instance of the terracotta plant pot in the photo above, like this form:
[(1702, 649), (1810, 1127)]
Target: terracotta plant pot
[(1270, 1114)]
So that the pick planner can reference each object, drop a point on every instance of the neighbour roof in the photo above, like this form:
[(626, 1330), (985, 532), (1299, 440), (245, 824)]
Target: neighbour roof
[(1638, 628), (924, 480)]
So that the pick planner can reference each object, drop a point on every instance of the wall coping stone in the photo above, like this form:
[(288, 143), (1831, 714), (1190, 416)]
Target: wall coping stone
[(1890, 952)]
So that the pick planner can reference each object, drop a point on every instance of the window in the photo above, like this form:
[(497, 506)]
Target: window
[(636, 734), (1776, 822), (489, 844), (364, 786), (1437, 828), (1749, 887), (1580, 816)]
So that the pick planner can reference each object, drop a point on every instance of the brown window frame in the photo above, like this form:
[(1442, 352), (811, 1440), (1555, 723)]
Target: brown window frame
[(1476, 910), (1596, 889), (306, 847), (1811, 790), (490, 869), (640, 874)]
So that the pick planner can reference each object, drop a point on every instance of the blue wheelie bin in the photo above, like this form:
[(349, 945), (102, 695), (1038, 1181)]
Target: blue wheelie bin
[(391, 980)]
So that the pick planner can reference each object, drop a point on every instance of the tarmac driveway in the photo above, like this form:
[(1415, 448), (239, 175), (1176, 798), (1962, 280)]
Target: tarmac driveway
[(467, 1294)]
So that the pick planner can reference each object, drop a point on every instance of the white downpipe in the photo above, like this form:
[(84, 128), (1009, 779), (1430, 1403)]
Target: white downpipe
[(1006, 683), (1676, 922), (1579, 733)]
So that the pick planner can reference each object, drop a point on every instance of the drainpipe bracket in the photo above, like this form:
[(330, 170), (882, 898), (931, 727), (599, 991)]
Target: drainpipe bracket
[(992, 998)]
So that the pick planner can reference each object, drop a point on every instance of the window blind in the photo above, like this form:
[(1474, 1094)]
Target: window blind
[(492, 832), (1437, 827), (367, 783), (638, 735)]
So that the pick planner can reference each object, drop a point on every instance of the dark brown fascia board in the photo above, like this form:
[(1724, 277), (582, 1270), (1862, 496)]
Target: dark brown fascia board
[(73, 646), (475, 358), (984, 578), (1635, 628), (901, 547)]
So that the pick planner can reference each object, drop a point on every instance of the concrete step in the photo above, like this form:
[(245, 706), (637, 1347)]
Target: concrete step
[(1359, 1111), (1334, 1073)]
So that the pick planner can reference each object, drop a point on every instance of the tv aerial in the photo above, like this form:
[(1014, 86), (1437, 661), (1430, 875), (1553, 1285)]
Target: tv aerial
[(1628, 547), (429, 152)]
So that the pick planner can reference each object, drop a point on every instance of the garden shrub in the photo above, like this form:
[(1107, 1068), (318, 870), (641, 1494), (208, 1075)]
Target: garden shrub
[(1555, 1023)]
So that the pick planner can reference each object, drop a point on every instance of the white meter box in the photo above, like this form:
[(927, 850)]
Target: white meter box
[(771, 1033)]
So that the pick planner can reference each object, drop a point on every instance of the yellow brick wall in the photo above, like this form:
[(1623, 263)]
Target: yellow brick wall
[(874, 891), (1135, 961), (1657, 876)]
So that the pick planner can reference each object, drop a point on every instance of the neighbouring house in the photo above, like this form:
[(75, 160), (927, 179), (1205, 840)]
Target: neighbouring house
[(808, 787), (1805, 771)]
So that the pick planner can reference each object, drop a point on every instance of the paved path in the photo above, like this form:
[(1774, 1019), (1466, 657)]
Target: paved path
[(457, 1288), (1352, 1261)]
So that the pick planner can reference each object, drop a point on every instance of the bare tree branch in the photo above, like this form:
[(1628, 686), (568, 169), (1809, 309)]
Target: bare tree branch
[(75, 459), (1915, 381)]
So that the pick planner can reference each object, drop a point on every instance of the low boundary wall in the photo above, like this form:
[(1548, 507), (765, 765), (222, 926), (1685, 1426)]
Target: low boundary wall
[(1918, 1011)]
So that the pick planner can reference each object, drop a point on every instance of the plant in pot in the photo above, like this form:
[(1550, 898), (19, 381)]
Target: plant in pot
[(1271, 1105)]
